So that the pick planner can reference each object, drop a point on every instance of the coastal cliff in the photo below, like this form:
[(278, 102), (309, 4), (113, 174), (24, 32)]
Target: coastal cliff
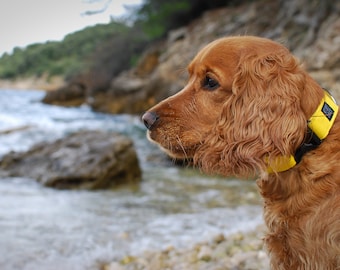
[(309, 29)]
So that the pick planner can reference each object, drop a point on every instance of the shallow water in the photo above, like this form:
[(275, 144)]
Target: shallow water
[(42, 228)]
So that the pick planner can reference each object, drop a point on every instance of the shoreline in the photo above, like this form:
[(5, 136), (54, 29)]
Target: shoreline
[(43, 83), (238, 251)]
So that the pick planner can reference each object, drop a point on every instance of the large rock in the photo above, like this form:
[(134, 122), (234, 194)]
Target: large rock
[(73, 94), (85, 160), (130, 91)]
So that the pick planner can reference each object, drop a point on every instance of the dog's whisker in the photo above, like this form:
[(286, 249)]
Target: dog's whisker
[(179, 141)]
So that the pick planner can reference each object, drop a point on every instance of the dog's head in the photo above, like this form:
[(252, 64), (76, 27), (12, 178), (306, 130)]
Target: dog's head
[(244, 104)]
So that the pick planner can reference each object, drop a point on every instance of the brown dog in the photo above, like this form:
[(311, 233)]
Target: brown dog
[(249, 109)]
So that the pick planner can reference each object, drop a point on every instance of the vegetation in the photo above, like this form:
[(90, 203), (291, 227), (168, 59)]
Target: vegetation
[(58, 58), (104, 50), (157, 17)]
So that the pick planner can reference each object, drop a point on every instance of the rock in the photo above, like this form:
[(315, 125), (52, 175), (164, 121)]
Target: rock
[(219, 238), (70, 95), (130, 91), (325, 51), (126, 84), (177, 34), (205, 253), (14, 129), (79, 89), (84, 160), (112, 266)]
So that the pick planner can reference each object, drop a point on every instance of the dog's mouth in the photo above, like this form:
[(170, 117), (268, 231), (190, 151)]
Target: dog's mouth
[(173, 146)]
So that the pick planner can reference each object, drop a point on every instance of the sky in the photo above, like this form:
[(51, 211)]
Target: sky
[(24, 22)]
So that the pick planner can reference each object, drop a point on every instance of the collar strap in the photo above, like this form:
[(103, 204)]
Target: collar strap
[(318, 127)]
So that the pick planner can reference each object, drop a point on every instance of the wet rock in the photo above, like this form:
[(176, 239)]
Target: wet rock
[(85, 160), (14, 129), (73, 94)]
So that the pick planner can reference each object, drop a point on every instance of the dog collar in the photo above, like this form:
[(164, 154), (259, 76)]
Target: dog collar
[(318, 127)]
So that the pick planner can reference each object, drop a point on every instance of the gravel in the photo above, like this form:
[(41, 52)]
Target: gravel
[(240, 251)]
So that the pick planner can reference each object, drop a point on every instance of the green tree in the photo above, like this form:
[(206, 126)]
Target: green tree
[(157, 17)]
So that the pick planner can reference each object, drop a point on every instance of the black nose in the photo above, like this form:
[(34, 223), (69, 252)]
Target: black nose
[(149, 119)]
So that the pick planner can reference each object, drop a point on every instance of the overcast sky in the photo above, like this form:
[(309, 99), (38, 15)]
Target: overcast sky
[(24, 22)]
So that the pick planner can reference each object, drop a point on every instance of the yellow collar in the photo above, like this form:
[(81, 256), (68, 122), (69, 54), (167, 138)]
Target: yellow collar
[(318, 125)]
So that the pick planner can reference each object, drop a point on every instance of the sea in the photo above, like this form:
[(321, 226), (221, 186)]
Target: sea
[(46, 229)]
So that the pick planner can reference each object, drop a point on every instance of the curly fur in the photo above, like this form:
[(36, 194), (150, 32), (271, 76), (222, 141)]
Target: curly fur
[(258, 112)]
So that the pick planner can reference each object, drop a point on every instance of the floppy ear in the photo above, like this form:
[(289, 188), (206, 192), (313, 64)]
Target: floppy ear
[(262, 119)]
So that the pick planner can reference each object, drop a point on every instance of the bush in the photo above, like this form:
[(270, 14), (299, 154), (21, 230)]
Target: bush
[(59, 58)]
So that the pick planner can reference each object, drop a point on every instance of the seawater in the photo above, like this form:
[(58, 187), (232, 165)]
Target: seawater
[(47, 229)]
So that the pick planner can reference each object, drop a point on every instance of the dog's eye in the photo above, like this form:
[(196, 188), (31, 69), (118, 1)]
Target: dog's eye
[(210, 83)]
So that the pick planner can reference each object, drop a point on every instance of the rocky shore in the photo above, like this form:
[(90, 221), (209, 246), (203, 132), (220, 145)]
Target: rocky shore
[(37, 83), (240, 251), (310, 32)]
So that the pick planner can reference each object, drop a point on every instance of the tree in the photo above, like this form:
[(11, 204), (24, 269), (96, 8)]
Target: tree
[(159, 16)]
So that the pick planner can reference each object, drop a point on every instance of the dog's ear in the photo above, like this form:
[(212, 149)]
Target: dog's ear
[(263, 119)]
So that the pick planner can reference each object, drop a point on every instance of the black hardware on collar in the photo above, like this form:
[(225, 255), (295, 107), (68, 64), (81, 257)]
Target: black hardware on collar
[(312, 141)]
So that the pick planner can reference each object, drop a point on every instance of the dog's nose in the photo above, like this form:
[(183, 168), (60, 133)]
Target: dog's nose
[(149, 119)]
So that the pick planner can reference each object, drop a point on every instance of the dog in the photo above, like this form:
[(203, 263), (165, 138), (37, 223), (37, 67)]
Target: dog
[(250, 109)]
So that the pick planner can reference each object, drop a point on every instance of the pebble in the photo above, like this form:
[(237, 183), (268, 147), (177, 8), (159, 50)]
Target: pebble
[(241, 251), (205, 253), (113, 266)]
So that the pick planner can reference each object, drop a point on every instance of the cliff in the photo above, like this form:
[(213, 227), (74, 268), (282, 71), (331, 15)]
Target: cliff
[(310, 29)]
